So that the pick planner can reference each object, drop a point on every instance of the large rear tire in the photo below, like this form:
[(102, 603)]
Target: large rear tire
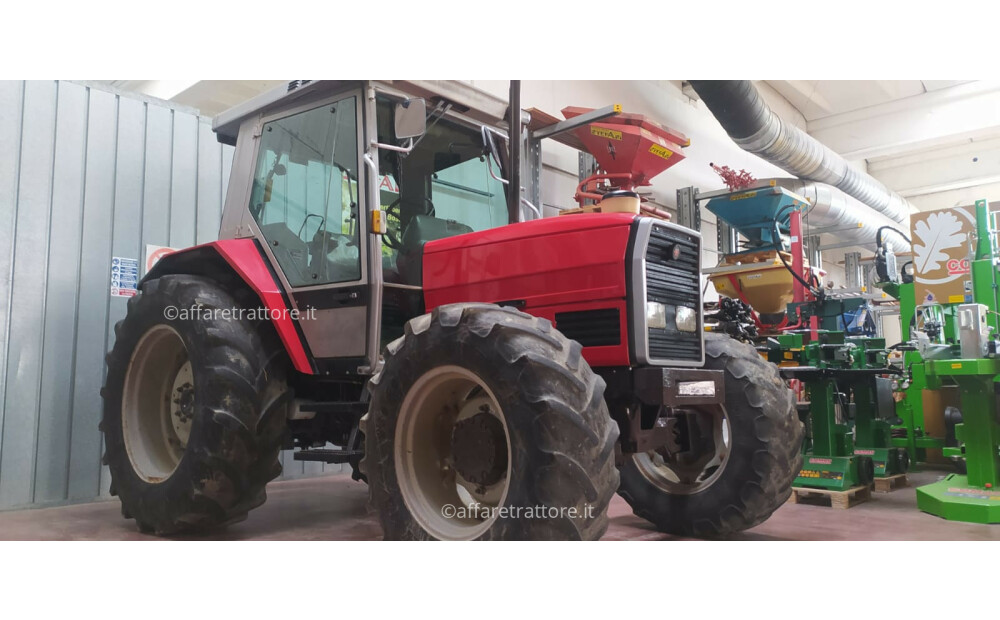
[(757, 455), (486, 423), (194, 408)]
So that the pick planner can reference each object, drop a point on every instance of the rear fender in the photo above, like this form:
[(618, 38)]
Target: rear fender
[(236, 262)]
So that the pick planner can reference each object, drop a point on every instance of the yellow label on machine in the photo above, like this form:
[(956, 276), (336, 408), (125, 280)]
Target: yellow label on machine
[(743, 196), (788, 355), (659, 151), (956, 366), (956, 299), (610, 134)]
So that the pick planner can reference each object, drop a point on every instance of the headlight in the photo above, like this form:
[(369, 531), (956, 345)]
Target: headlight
[(686, 319), (656, 315)]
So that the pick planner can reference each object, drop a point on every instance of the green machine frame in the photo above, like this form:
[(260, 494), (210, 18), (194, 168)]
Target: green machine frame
[(910, 431), (967, 357), (850, 411)]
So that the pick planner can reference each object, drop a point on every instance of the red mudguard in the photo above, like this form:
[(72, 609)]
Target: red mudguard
[(244, 257)]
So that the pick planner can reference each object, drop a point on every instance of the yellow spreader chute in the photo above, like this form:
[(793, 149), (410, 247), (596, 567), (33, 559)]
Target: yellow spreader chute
[(759, 278)]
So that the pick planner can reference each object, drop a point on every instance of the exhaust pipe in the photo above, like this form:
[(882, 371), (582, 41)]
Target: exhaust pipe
[(752, 125)]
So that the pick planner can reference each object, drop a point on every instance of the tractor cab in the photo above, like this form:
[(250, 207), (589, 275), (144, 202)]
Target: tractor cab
[(426, 170)]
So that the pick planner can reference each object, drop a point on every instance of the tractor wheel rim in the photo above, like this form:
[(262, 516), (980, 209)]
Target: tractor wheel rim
[(157, 404), (677, 477), (445, 405)]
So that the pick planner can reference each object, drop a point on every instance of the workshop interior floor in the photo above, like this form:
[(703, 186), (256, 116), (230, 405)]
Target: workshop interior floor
[(334, 508)]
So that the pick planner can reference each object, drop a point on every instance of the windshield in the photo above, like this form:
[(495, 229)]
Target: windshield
[(442, 188)]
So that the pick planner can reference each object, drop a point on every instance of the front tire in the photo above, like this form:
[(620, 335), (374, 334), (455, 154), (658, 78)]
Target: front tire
[(194, 409), (749, 477), (486, 423)]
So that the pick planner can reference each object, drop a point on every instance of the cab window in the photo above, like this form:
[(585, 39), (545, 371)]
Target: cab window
[(304, 196), (442, 188)]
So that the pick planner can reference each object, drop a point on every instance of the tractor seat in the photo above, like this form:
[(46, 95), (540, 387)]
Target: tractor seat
[(420, 230)]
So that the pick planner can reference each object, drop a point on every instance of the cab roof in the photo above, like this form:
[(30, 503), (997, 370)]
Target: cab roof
[(467, 99)]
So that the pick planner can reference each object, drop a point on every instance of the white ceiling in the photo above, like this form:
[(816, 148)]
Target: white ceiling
[(817, 99), (210, 97)]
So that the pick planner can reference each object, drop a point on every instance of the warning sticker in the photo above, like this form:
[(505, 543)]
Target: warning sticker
[(659, 151), (154, 253), (743, 196), (610, 134), (821, 474), (972, 493), (124, 276)]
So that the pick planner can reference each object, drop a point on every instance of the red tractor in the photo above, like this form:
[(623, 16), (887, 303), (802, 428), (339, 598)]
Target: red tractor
[(375, 300)]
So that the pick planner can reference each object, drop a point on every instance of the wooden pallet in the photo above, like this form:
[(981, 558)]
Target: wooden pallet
[(838, 499), (890, 483)]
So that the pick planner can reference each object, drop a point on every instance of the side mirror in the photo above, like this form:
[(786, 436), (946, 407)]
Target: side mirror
[(411, 119)]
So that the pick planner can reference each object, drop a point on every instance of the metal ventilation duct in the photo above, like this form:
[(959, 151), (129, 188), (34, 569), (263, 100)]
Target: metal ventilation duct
[(837, 214), (754, 127)]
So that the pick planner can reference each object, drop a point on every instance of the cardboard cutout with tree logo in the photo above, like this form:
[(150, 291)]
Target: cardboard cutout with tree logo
[(941, 241)]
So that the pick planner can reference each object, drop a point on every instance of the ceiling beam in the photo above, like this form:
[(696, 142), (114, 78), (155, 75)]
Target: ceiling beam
[(964, 165), (940, 117)]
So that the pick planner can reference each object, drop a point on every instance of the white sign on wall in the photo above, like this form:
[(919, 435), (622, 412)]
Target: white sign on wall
[(124, 276), (155, 253)]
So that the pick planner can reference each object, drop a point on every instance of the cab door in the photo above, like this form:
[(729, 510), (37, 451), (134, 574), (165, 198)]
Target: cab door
[(306, 204)]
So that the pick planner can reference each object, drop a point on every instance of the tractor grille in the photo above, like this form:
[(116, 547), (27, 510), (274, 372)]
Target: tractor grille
[(674, 282), (591, 328)]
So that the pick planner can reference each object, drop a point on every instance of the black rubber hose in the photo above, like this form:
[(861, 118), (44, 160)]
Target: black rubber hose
[(906, 278), (777, 233), (878, 235), (739, 121), (815, 292)]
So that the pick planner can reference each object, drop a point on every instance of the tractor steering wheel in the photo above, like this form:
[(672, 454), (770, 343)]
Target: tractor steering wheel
[(394, 223)]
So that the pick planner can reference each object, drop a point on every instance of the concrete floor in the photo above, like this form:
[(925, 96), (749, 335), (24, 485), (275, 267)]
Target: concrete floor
[(333, 508)]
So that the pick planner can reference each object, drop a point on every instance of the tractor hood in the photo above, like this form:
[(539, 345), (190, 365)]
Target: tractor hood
[(546, 227), (590, 274), (573, 264), (532, 264)]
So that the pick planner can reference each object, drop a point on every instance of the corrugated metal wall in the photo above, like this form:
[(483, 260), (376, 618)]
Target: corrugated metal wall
[(85, 175)]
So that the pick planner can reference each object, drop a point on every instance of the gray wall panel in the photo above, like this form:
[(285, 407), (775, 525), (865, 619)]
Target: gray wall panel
[(52, 440), (184, 182), (126, 235), (156, 193), (209, 184), (11, 98), (85, 175), (31, 244), (92, 318)]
